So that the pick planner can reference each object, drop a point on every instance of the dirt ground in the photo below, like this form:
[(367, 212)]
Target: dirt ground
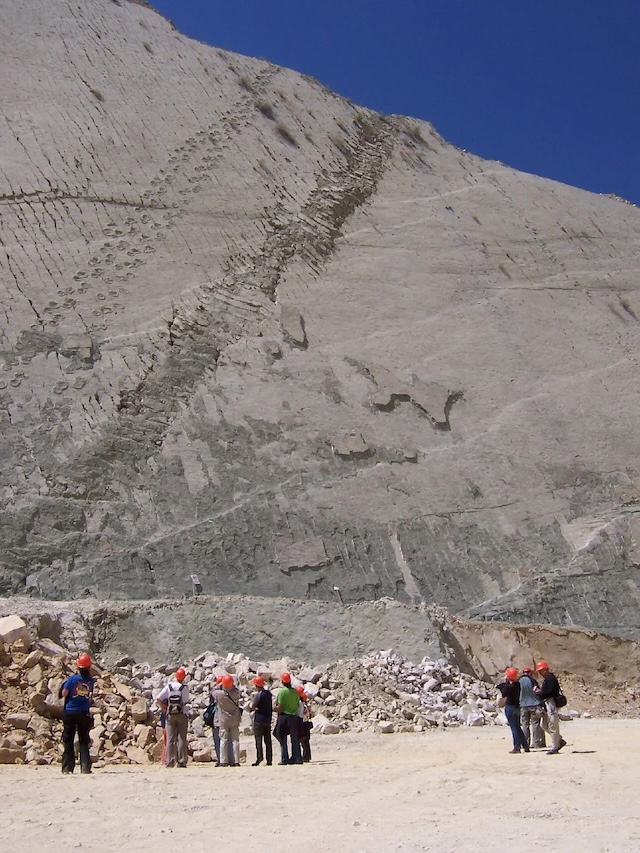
[(455, 790)]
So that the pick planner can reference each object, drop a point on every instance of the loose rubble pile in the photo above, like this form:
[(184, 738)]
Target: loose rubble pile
[(382, 692), (389, 693)]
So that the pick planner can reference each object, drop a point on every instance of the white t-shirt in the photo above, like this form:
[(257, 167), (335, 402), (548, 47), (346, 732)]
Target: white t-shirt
[(163, 696)]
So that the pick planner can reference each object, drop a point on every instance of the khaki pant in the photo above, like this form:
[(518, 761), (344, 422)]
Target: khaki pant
[(229, 736), (177, 740), (530, 722), (551, 722)]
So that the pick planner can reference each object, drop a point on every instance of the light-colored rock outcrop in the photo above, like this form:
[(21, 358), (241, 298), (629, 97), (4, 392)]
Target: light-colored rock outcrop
[(253, 332)]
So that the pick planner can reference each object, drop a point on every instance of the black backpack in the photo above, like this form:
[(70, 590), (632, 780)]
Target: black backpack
[(174, 702)]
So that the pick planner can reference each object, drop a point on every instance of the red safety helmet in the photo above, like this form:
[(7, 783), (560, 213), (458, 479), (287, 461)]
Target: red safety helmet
[(301, 693), (511, 673), (84, 661), (181, 674), (227, 681), (526, 670), (219, 679), (542, 666), (285, 678), (258, 681)]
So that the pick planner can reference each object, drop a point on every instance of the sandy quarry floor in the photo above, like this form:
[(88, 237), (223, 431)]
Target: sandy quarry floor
[(456, 790)]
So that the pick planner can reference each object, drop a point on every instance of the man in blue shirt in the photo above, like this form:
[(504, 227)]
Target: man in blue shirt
[(77, 692), (531, 710)]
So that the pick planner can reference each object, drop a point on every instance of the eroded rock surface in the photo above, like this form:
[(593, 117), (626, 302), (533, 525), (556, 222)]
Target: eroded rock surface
[(242, 315)]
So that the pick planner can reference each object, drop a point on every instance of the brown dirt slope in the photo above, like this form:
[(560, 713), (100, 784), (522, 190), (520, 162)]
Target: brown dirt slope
[(599, 672)]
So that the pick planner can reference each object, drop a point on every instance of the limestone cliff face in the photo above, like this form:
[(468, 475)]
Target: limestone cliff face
[(253, 332)]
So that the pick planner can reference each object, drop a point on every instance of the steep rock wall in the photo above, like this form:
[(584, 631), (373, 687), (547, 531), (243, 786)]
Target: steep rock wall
[(255, 333)]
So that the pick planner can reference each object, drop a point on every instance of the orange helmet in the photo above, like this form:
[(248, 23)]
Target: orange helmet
[(301, 693), (542, 666), (219, 679), (526, 670), (511, 673), (181, 674), (227, 681), (84, 661), (285, 678), (258, 681)]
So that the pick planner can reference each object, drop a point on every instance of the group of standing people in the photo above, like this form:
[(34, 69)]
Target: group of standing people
[(292, 729), (531, 708)]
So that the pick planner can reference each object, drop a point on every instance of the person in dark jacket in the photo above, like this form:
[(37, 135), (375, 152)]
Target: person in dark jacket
[(216, 723), (510, 690), (547, 693), (77, 691), (262, 707), (531, 710)]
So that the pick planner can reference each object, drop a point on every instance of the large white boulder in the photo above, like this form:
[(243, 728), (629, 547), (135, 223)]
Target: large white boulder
[(12, 629)]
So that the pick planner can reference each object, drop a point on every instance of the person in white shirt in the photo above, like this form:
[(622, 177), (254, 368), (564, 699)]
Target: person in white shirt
[(173, 700)]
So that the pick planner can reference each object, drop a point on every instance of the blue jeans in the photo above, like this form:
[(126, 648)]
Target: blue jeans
[(512, 714), (290, 727)]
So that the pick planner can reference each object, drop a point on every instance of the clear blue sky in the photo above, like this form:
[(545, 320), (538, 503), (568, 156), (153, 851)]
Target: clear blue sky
[(551, 87)]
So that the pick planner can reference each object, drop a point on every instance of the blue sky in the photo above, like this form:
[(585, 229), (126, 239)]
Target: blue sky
[(551, 87)]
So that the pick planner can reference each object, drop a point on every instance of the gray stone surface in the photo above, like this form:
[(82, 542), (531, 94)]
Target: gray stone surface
[(169, 631), (216, 272)]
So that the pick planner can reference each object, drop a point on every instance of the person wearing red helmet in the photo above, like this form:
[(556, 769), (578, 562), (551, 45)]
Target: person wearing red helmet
[(548, 692), (287, 725), (229, 711), (510, 690), (216, 717), (261, 705), (77, 691), (304, 714), (173, 700), (531, 710)]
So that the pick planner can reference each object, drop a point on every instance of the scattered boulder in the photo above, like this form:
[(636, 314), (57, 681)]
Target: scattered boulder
[(13, 629), (12, 755), (140, 709), (324, 726), (18, 721)]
